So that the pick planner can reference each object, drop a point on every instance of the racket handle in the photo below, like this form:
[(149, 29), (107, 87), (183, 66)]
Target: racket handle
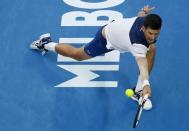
[(146, 97), (43, 52)]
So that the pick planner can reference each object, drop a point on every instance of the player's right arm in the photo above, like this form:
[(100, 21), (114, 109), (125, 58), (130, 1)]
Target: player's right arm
[(144, 74), (139, 51)]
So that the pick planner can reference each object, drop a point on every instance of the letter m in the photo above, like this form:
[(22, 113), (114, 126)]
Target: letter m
[(85, 76)]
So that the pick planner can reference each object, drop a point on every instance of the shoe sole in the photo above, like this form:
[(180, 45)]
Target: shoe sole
[(44, 36), (33, 46)]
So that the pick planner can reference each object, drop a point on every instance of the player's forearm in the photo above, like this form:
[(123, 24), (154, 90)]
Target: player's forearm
[(144, 75), (143, 68), (151, 57)]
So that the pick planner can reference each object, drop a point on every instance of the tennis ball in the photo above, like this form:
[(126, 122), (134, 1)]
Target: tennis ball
[(129, 92)]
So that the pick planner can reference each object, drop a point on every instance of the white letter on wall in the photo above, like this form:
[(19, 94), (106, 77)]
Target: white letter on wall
[(89, 19), (94, 5), (85, 76)]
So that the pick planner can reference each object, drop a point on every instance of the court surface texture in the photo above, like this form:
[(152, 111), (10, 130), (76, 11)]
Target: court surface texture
[(54, 93)]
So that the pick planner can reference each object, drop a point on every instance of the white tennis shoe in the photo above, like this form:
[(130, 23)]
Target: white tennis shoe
[(39, 44)]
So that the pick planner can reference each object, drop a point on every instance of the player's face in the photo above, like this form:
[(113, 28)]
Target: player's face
[(151, 34)]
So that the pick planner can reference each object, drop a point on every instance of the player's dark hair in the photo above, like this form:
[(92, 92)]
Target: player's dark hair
[(153, 21)]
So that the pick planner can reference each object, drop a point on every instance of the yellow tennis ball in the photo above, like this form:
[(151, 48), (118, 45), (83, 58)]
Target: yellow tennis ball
[(129, 92)]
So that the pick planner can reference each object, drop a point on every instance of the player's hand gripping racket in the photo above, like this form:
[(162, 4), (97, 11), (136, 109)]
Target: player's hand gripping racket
[(139, 111)]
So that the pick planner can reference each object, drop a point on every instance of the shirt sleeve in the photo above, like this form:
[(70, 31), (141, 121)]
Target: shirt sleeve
[(138, 50)]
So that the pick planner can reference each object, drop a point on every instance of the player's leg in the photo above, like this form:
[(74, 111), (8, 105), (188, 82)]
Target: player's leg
[(44, 43), (95, 48), (71, 51)]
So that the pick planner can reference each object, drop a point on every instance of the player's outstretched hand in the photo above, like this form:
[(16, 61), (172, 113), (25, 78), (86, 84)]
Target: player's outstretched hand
[(147, 9)]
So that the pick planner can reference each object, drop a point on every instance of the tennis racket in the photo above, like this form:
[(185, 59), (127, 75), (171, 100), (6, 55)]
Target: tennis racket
[(139, 111)]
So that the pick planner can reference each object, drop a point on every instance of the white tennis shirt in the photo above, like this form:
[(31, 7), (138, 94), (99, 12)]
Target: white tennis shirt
[(118, 36)]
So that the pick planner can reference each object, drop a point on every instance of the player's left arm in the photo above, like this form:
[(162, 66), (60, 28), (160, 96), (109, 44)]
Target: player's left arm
[(151, 56), (145, 11)]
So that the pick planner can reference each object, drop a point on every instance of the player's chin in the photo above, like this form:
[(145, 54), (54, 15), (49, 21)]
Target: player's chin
[(151, 41)]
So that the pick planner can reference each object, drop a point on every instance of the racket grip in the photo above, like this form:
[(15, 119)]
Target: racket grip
[(43, 52), (146, 97)]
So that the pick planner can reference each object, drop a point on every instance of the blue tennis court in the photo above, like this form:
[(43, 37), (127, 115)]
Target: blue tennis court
[(55, 93)]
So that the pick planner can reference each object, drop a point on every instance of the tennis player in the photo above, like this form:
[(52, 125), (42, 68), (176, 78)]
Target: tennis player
[(136, 35)]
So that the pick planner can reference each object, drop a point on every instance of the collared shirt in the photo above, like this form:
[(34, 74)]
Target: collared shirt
[(125, 35)]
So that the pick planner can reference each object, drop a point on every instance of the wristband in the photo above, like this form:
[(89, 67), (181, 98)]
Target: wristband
[(145, 82)]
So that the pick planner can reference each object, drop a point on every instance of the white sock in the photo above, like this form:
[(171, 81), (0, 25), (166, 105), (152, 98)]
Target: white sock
[(139, 85), (50, 46)]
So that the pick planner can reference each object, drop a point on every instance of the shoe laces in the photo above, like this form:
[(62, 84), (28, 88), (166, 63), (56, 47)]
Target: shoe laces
[(40, 44)]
